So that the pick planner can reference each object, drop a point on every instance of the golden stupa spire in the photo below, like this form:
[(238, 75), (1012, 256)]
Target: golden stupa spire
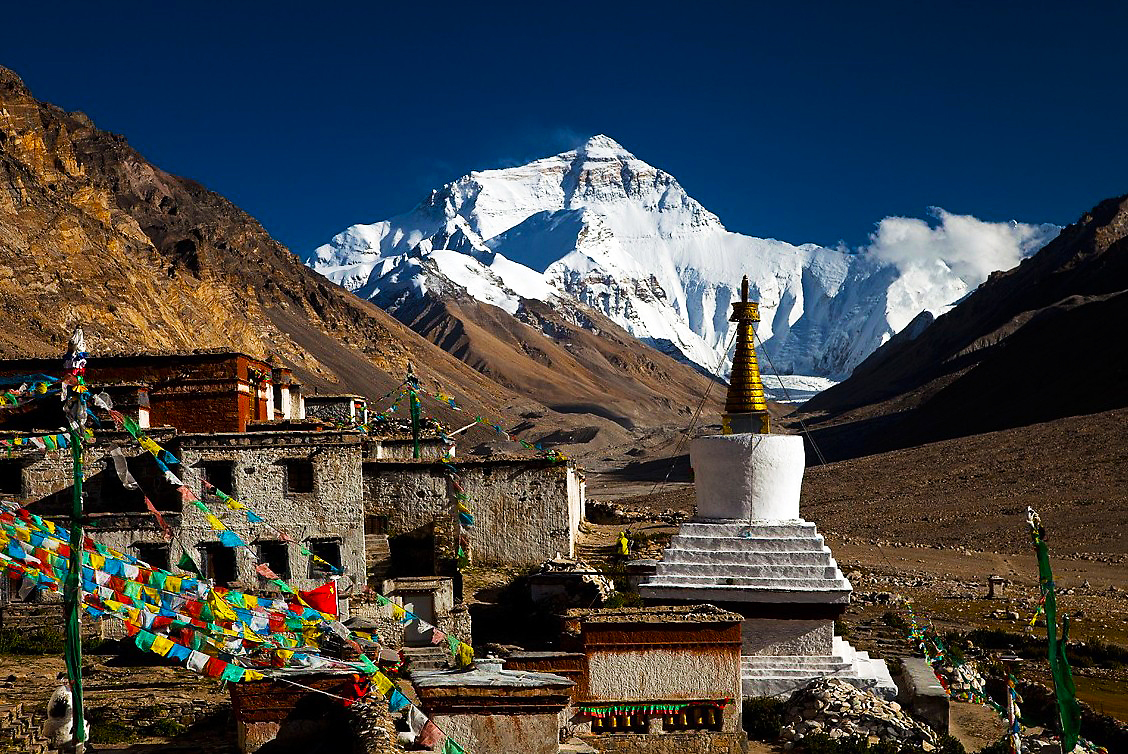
[(745, 407)]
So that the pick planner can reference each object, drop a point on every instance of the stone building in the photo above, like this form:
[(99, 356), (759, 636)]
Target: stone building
[(488, 710), (203, 391), (657, 679), (349, 410), (526, 510), (307, 483)]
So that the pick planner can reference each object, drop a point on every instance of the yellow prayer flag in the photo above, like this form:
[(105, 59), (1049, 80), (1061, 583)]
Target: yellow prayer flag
[(397, 611), (252, 675), (215, 522), (220, 608), (162, 645), (465, 654), (97, 561), (235, 505), (172, 584), (148, 444), (383, 683)]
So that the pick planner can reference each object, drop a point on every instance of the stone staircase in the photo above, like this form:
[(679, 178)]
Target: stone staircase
[(29, 617), (19, 731), (427, 658), (599, 555), (788, 556), (774, 675)]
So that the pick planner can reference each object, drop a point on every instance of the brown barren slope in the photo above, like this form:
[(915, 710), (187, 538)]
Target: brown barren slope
[(93, 234), (1035, 343)]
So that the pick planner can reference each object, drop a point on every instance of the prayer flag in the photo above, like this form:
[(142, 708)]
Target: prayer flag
[(383, 684), (397, 701), (430, 735), (323, 598), (187, 564)]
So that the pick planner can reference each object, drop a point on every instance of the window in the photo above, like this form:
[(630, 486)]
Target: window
[(299, 476), (153, 553), (276, 557), (376, 524), (621, 724), (700, 717), (11, 478), (219, 563), (328, 550), (220, 475)]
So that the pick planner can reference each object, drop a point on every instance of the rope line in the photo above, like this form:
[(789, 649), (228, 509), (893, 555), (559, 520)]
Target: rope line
[(787, 395)]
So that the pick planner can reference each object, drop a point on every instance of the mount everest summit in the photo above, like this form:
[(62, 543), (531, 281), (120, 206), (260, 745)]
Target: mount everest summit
[(599, 227)]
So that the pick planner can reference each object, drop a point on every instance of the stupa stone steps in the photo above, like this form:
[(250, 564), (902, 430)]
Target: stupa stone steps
[(750, 582), (741, 529), (745, 557), (752, 570), (747, 544)]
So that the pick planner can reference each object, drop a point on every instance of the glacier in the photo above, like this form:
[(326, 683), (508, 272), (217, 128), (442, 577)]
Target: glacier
[(598, 226)]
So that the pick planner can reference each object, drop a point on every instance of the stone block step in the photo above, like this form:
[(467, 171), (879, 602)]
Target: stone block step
[(426, 658), (751, 570), (685, 541), (795, 672), (745, 582), (748, 557), (743, 529)]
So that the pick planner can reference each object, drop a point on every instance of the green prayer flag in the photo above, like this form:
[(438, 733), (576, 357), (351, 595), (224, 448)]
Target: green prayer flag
[(1068, 709), (187, 564), (452, 643), (144, 640), (157, 579), (450, 746), (369, 667), (232, 673)]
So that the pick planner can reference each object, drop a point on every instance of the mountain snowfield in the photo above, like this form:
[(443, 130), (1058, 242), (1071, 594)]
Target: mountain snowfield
[(598, 226)]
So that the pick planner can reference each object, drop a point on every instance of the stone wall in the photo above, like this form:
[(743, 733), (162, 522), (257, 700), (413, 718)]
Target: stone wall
[(525, 510), (452, 619), (339, 409), (503, 734), (663, 743), (767, 636), (333, 510)]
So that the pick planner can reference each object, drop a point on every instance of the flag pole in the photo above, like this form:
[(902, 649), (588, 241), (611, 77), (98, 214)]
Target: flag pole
[(74, 367)]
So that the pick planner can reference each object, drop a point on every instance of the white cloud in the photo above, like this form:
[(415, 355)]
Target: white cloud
[(969, 247)]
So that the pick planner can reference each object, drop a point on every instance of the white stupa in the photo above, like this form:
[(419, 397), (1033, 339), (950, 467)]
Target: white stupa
[(748, 550)]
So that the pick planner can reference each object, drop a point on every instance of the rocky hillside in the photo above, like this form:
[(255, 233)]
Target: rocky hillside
[(92, 233), (1035, 343)]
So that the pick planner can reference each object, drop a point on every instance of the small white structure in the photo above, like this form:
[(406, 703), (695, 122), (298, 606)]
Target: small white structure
[(748, 550)]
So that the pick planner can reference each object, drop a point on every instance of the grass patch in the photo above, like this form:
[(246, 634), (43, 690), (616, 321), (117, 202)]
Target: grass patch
[(45, 642)]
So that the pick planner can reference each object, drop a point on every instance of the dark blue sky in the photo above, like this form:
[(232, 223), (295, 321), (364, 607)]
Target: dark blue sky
[(805, 123)]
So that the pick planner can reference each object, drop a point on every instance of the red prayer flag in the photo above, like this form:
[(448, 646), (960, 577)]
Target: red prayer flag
[(323, 598), (430, 735), (214, 667), (160, 519), (262, 569)]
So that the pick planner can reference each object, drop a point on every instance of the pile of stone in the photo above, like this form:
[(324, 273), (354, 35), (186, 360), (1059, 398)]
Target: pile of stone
[(835, 708), (963, 680), (606, 512)]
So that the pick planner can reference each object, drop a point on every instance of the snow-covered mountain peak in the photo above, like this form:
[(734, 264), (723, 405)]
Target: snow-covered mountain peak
[(600, 226)]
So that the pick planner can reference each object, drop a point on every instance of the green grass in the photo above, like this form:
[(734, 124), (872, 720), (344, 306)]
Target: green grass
[(47, 642)]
